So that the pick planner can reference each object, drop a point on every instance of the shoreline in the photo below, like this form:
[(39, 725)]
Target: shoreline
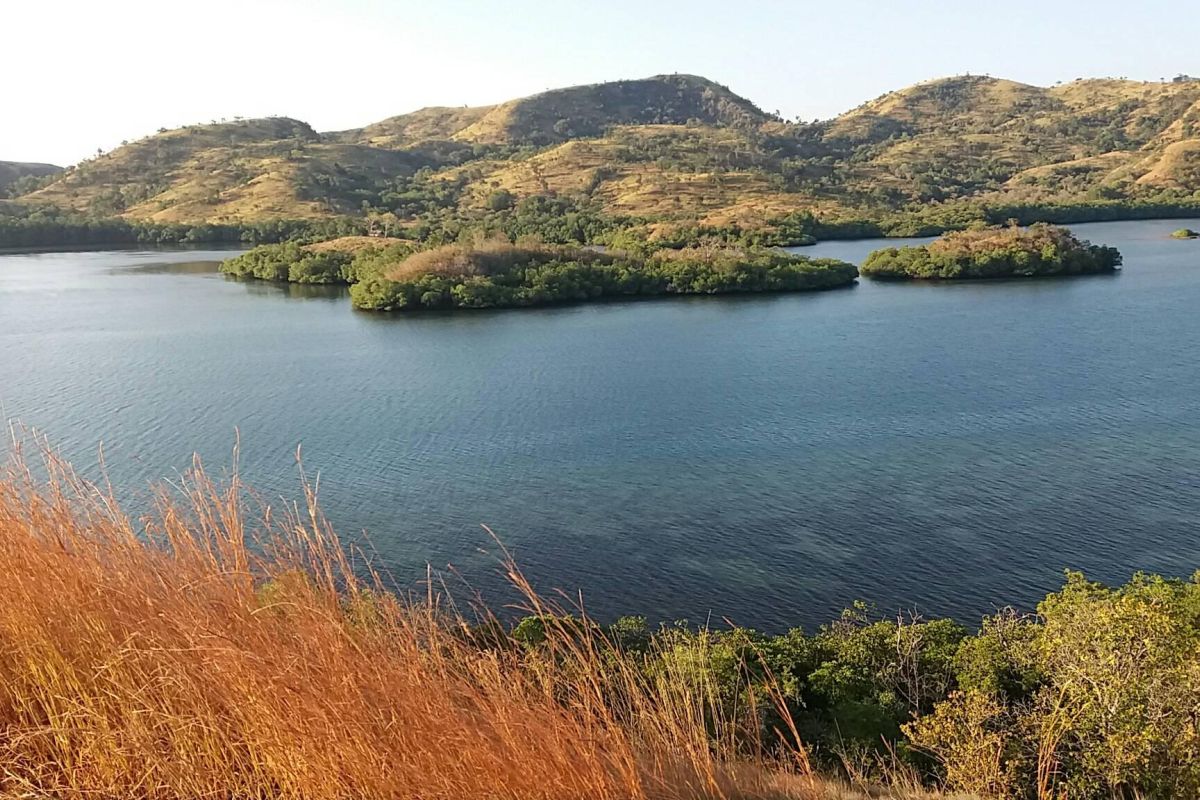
[(847, 231)]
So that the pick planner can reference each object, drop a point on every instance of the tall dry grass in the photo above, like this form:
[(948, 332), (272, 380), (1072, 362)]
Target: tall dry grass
[(203, 653)]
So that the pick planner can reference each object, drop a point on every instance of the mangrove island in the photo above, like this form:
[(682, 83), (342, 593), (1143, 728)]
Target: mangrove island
[(500, 274), (994, 252)]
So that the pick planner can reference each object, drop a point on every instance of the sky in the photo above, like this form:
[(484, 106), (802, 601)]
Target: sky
[(85, 74)]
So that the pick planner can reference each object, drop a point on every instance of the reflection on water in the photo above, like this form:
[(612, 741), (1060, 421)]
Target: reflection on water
[(296, 291), (172, 268), (767, 458)]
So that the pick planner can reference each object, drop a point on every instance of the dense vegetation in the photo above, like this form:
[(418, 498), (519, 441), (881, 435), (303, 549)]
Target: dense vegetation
[(48, 227), (290, 262), (496, 273), (206, 654), (567, 275), (1094, 696), (676, 158), (997, 252)]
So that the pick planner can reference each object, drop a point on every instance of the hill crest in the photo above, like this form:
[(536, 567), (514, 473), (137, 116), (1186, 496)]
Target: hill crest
[(672, 149)]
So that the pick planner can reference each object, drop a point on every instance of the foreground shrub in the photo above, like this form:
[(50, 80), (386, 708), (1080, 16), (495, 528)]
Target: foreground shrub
[(1097, 697)]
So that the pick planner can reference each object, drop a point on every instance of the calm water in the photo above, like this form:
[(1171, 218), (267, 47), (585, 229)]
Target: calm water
[(768, 459)]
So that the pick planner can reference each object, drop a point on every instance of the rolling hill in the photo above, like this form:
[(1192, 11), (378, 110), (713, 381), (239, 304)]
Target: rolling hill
[(576, 112), (671, 150), (13, 171)]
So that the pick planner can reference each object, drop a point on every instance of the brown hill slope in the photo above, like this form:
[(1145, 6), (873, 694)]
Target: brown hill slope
[(275, 168), (672, 148), (426, 124), (575, 112)]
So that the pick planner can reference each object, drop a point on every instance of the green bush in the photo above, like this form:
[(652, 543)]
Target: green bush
[(1095, 696)]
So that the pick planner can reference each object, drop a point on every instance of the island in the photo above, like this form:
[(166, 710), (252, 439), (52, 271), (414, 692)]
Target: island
[(1185, 233), (994, 252), (501, 274)]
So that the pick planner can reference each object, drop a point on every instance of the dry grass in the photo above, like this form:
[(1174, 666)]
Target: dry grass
[(645, 188), (1177, 166), (195, 654), (354, 244), (405, 130), (485, 257)]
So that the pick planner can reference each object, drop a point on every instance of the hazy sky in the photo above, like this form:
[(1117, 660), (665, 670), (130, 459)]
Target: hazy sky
[(83, 74)]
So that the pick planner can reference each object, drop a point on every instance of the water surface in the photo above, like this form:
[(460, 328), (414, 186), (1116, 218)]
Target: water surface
[(769, 458)]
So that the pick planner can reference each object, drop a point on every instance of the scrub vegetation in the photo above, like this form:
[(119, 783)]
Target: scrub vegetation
[(496, 273)]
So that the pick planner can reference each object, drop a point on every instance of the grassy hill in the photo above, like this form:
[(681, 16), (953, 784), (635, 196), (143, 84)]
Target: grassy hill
[(276, 168), (563, 114), (13, 171), (427, 124), (996, 139), (671, 151)]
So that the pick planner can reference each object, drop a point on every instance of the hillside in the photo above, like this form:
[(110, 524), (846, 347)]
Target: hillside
[(406, 130), (670, 151), (576, 112), (13, 171), (585, 111), (276, 168)]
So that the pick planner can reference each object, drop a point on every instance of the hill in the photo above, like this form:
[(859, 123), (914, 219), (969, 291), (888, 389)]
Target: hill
[(576, 112), (13, 171), (980, 136), (585, 111), (275, 168), (673, 152)]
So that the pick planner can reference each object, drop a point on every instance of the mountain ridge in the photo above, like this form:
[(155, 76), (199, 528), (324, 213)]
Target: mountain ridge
[(668, 150)]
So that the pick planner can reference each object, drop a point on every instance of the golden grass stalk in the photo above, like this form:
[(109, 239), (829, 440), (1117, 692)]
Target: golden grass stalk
[(194, 654)]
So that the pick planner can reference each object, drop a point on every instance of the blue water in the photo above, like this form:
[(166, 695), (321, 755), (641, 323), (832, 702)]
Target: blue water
[(768, 459)]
